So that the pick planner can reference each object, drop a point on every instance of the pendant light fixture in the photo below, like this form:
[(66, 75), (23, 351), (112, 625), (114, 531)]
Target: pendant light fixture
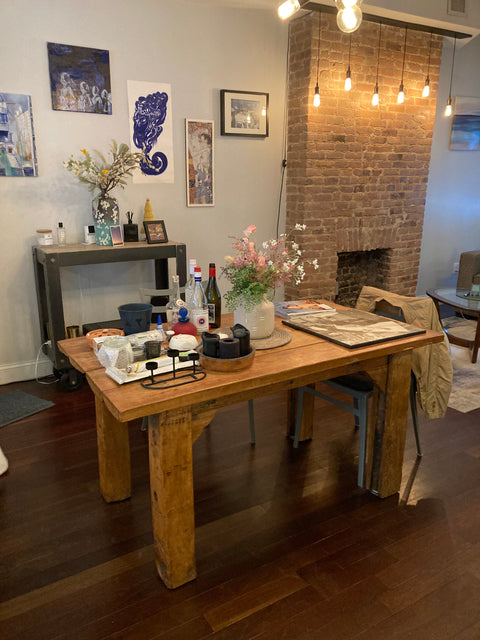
[(448, 108), (316, 97), (349, 15), (375, 91), (288, 8), (401, 94), (426, 88), (348, 77)]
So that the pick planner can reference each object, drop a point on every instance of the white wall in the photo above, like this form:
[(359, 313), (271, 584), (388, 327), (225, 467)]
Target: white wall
[(199, 50), (452, 212)]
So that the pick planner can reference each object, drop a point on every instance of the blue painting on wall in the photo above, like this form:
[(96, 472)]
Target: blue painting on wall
[(17, 141), (79, 78), (466, 125)]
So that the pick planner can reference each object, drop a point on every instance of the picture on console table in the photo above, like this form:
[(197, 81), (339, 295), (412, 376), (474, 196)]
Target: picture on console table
[(18, 157), (243, 113), (199, 156), (155, 231), (79, 78)]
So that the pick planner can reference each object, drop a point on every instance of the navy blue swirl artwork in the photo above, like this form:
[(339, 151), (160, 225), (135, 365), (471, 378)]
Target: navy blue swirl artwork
[(150, 109), (79, 78)]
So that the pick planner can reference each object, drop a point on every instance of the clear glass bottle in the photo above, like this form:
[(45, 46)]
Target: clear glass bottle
[(61, 234), (190, 284), (199, 304), (174, 303), (214, 299)]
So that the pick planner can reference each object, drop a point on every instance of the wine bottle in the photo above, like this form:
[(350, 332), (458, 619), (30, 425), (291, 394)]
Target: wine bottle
[(173, 304), (214, 299)]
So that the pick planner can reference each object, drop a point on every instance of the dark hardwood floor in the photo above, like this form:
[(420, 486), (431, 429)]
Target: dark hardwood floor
[(288, 547)]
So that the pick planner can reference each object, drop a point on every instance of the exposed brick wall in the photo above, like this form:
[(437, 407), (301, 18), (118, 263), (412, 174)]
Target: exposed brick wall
[(357, 174)]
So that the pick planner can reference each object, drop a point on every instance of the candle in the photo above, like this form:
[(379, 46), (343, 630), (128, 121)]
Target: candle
[(210, 342), (243, 335), (229, 348)]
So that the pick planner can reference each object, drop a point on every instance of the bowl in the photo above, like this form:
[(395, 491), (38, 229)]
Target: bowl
[(102, 333), (226, 365)]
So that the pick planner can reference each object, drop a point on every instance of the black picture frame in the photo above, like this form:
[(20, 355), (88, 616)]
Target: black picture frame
[(155, 231), (243, 113)]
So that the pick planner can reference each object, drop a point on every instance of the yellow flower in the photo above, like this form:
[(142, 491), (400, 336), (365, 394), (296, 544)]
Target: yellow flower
[(105, 171), (76, 172), (84, 151)]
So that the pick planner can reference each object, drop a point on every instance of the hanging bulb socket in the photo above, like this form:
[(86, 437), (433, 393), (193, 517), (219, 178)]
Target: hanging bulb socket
[(375, 96), (316, 97), (348, 80), (401, 95), (426, 88), (448, 108)]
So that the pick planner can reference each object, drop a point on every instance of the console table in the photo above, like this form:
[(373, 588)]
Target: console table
[(49, 259), (470, 306)]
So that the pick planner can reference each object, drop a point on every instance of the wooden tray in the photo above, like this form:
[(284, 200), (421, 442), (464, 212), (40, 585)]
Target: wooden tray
[(226, 365)]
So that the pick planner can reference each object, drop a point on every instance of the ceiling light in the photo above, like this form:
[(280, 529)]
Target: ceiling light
[(375, 99), (288, 8), (349, 15), (316, 97), (448, 108), (401, 93), (426, 88)]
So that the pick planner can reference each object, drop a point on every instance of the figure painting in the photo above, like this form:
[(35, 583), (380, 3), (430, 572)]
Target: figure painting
[(199, 156), (150, 113), (79, 78), (17, 141)]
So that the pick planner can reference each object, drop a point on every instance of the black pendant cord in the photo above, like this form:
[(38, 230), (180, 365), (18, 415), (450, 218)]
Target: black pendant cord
[(349, 51), (451, 73), (318, 45), (429, 55), (378, 54), (404, 53)]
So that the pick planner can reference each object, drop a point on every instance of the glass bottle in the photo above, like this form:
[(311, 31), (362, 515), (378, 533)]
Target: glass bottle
[(214, 299), (174, 303), (62, 236), (190, 284), (199, 304)]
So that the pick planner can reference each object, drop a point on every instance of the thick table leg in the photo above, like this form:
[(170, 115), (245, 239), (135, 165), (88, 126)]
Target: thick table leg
[(476, 342), (171, 488), (306, 432), (390, 424), (113, 455)]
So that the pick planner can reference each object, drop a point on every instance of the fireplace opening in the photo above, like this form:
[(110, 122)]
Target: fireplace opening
[(358, 268)]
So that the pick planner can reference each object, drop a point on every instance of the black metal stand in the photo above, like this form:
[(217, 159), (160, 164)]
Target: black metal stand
[(174, 380)]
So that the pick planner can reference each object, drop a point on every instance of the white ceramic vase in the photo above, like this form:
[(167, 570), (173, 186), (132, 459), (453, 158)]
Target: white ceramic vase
[(260, 321)]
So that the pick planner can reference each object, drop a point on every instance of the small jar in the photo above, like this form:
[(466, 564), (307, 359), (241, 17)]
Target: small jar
[(44, 236)]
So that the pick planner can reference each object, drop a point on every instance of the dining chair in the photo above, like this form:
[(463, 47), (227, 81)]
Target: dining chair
[(360, 388)]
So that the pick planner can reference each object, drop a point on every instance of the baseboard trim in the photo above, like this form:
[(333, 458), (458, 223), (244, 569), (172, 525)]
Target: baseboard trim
[(20, 371)]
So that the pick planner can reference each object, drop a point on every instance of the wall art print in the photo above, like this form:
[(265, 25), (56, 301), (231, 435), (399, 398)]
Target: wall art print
[(79, 78), (466, 125), (243, 113), (150, 113), (199, 136), (18, 157)]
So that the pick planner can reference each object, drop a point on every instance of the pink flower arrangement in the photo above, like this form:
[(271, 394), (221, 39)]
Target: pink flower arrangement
[(254, 273)]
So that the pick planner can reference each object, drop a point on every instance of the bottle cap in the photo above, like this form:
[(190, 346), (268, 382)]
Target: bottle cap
[(183, 314), (60, 225)]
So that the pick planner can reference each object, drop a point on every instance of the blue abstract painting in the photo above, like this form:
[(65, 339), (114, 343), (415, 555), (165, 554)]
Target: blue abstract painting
[(79, 78), (17, 141), (466, 125), (150, 109)]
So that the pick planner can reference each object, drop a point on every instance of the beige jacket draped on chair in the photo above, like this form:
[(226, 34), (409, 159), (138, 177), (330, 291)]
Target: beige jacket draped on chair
[(430, 364)]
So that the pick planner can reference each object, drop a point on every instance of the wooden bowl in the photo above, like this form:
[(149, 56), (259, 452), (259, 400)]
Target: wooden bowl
[(226, 365), (102, 333)]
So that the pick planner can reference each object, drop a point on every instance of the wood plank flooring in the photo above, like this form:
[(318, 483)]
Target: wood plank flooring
[(288, 547)]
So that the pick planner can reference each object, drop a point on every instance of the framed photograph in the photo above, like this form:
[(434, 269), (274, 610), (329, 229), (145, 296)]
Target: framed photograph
[(18, 157), (155, 231), (117, 237), (199, 159), (79, 78), (243, 113)]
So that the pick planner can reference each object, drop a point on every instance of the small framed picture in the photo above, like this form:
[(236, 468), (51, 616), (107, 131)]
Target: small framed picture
[(199, 153), (155, 231), (117, 237), (243, 113)]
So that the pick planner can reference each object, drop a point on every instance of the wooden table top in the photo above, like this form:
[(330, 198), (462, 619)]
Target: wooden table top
[(305, 359)]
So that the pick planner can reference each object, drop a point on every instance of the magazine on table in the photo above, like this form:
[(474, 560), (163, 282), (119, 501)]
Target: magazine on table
[(291, 308)]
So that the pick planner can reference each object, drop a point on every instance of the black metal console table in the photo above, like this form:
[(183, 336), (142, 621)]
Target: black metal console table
[(49, 259)]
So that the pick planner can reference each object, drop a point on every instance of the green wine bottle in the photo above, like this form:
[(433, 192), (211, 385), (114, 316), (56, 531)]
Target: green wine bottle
[(214, 299)]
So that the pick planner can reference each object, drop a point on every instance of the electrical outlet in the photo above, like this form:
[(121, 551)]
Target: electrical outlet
[(48, 343), (455, 267)]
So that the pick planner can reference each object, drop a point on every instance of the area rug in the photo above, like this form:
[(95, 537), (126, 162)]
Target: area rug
[(15, 405), (465, 394)]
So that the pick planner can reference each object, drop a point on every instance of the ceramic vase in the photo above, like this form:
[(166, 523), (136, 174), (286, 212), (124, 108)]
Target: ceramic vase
[(105, 215), (260, 320)]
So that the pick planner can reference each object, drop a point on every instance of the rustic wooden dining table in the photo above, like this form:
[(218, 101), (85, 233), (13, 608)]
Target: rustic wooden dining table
[(177, 417)]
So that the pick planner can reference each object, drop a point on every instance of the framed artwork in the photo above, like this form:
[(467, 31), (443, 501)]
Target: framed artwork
[(155, 231), (199, 136), (243, 113), (117, 237), (151, 130), (18, 157), (79, 78), (465, 125)]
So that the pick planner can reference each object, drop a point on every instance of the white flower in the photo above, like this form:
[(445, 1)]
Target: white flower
[(300, 227)]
